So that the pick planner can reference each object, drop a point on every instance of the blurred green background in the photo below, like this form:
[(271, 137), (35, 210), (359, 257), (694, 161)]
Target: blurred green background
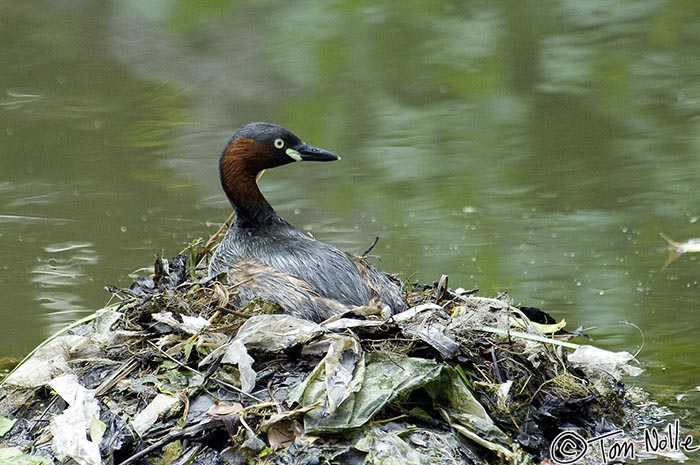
[(533, 147)]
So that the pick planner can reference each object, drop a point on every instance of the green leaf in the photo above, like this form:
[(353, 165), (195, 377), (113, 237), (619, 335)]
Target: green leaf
[(5, 425), (378, 379), (13, 456)]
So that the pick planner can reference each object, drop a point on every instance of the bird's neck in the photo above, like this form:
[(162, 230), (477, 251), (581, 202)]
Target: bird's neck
[(238, 178), (252, 211)]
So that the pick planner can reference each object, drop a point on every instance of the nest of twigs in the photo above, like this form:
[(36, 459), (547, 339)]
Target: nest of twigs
[(172, 373)]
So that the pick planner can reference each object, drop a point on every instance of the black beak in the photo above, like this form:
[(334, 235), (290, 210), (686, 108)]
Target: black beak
[(306, 152)]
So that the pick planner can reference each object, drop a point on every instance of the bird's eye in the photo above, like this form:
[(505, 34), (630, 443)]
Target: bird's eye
[(279, 143)]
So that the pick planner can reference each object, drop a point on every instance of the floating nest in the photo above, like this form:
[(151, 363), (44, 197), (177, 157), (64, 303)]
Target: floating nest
[(173, 373)]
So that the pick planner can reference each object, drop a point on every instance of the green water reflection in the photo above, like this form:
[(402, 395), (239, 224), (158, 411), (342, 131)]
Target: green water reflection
[(536, 148)]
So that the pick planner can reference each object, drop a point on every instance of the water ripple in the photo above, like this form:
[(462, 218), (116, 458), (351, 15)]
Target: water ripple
[(67, 246), (27, 219), (18, 100), (58, 274)]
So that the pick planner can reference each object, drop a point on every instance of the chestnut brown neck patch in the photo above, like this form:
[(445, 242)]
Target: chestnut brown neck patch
[(239, 165)]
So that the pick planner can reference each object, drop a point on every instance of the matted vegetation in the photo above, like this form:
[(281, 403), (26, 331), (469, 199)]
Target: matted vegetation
[(173, 372)]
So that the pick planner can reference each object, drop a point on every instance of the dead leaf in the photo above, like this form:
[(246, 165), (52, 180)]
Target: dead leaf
[(221, 409), (281, 434)]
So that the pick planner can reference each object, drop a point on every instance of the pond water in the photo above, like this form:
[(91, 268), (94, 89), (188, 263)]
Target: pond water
[(536, 148)]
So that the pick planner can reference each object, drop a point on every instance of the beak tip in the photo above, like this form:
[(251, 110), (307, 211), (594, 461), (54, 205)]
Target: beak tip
[(310, 153)]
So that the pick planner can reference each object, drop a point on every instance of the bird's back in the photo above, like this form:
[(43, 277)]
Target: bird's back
[(328, 271)]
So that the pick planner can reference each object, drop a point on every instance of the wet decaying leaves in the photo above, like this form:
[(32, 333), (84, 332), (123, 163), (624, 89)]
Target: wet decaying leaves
[(172, 372)]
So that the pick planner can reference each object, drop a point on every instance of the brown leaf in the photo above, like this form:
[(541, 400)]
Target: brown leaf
[(281, 434), (220, 409)]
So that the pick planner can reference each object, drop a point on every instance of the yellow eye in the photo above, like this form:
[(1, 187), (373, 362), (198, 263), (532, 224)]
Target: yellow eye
[(279, 143)]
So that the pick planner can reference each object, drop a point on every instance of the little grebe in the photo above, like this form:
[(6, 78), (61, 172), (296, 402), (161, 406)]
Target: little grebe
[(272, 259)]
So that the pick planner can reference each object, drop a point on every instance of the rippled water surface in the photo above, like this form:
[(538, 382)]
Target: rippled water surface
[(537, 148)]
